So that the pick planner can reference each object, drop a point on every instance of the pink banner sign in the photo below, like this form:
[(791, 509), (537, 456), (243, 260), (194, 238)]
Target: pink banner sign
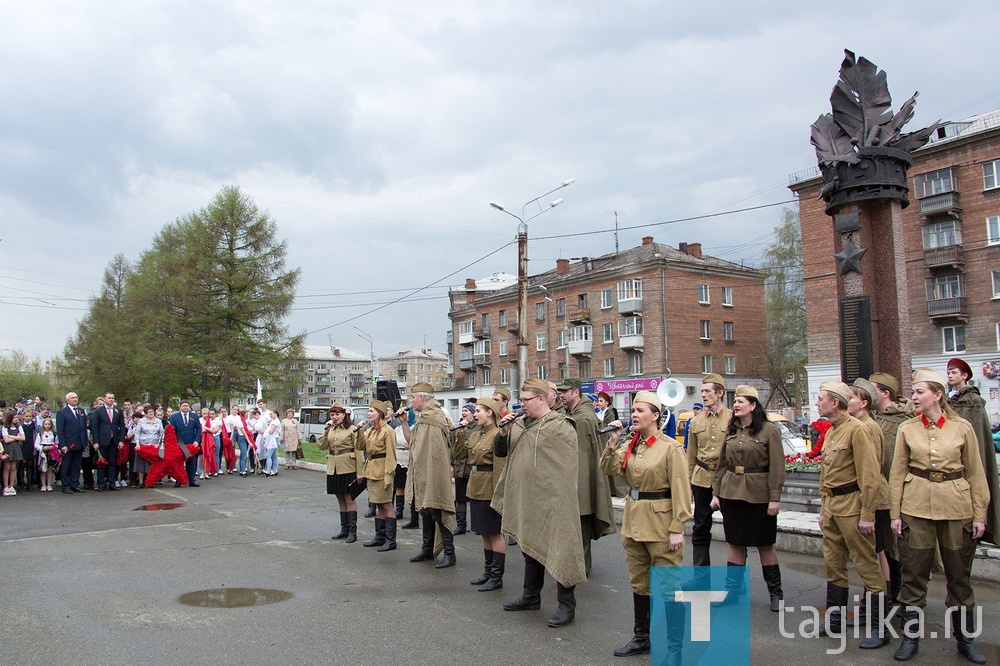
[(627, 385)]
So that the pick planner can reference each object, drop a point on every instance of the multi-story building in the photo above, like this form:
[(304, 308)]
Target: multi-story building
[(617, 320), (952, 247), (332, 374), (417, 365)]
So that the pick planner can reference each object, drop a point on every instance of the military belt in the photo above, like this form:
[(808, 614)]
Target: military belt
[(376, 456), (937, 477), (651, 495), (482, 468), (740, 469), (846, 490), (711, 467)]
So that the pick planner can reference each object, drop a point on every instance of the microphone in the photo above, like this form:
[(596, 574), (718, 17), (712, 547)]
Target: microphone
[(510, 418), (399, 412), (359, 426), (609, 428), (459, 426)]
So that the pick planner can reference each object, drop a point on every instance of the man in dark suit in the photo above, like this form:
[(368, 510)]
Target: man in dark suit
[(108, 431), (188, 429), (71, 424)]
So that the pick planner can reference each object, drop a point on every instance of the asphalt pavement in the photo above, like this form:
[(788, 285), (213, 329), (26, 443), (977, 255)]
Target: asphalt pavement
[(98, 578)]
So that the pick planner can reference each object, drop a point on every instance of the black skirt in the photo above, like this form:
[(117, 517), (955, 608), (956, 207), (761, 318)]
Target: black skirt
[(484, 519), (748, 524), (460, 486), (399, 481), (338, 484)]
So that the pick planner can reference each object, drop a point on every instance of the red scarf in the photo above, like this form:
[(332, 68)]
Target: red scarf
[(634, 443), (246, 431)]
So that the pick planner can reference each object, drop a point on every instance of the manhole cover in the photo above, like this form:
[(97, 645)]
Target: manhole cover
[(162, 506), (234, 597)]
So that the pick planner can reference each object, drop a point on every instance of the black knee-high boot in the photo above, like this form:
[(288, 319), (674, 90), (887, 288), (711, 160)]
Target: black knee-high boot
[(344, 529), (496, 573), (400, 505), (460, 518), (414, 518), (772, 576), (488, 556), (390, 536), (640, 628), (352, 526), (379, 534), (427, 540)]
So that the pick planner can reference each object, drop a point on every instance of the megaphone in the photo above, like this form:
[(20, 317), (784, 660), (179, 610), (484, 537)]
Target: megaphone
[(670, 392)]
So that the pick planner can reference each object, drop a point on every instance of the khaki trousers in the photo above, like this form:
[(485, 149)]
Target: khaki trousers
[(922, 539), (842, 540), (640, 555)]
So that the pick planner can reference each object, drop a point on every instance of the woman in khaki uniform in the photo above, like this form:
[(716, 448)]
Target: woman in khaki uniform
[(460, 465), (938, 496), (380, 470), (485, 472), (747, 487), (344, 449), (655, 512)]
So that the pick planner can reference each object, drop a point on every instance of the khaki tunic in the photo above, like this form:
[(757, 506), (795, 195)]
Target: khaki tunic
[(970, 406), (480, 445), (652, 467), (879, 439), (460, 452), (592, 490), (889, 420), (706, 434), (849, 457), (763, 450), (379, 471), (344, 449), (951, 448)]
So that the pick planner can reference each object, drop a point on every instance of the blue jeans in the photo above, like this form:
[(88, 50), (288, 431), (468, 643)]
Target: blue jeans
[(241, 440), (272, 461)]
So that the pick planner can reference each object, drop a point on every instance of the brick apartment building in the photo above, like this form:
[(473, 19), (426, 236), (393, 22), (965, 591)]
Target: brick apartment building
[(952, 246), (417, 365), (621, 316), (332, 374)]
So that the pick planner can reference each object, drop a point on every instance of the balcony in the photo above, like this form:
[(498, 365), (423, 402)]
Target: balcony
[(449, 337), (951, 256), (467, 364), (512, 324), (948, 308), (578, 315), (630, 341), (629, 306), (580, 347), (483, 333), (402, 369), (357, 381), (940, 204), (468, 336), (482, 360)]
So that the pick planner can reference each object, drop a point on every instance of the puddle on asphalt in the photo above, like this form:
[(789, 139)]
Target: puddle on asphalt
[(234, 597), (160, 506)]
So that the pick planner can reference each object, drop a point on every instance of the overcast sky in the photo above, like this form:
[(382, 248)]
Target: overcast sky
[(376, 134)]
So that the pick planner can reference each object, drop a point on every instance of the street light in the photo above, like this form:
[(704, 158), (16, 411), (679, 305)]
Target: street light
[(522, 277), (374, 366)]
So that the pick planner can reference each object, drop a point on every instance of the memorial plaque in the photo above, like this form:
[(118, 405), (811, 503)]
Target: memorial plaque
[(855, 338), (845, 222)]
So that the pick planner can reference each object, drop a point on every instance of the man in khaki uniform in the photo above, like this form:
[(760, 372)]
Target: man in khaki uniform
[(891, 410), (705, 435), (597, 516), (848, 488)]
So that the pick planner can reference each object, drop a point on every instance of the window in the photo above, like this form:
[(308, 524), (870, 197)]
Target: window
[(730, 365), (991, 175), (942, 234), (945, 286), (560, 339), (560, 307), (504, 376), (486, 376), (502, 316), (727, 330), (954, 339), (706, 364), (935, 182), (464, 328), (581, 333), (629, 326), (472, 380), (541, 372), (581, 300), (703, 296), (540, 311), (486, 322), (562, 371), (727, 297), (584, 368), (609, 367), (309, 366), (482, 347), (540, 342), (606, 299), (503, 346), (635, 364), (993, 230), (706, 329), (629, 289), (996, 284), (609, 333)]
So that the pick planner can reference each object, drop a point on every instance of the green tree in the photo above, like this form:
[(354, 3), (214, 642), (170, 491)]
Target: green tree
[(215, 291), (785, 308), (22, 377)]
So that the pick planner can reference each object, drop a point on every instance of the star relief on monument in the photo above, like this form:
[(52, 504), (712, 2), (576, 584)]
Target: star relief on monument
[(849, 259)]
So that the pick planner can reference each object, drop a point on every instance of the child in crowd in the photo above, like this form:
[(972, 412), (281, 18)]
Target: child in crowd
[(47, 452), (13, 436)]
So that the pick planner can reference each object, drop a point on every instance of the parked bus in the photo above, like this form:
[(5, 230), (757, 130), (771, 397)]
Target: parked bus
[(313, 418)]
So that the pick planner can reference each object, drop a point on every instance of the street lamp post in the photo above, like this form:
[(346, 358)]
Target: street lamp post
[(522, 278), (374, 366)]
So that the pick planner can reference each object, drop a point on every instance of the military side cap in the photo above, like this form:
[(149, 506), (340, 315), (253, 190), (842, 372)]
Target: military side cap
[(886, 380), (421, 387), (650, 398), (837, 388), (868, 388), (492, 405), (745, 391), (536, 385), (380, 407), (503, 391), (929, 375), (714, 378)]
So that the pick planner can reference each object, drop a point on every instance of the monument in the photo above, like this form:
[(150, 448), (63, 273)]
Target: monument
[(864, 158)]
